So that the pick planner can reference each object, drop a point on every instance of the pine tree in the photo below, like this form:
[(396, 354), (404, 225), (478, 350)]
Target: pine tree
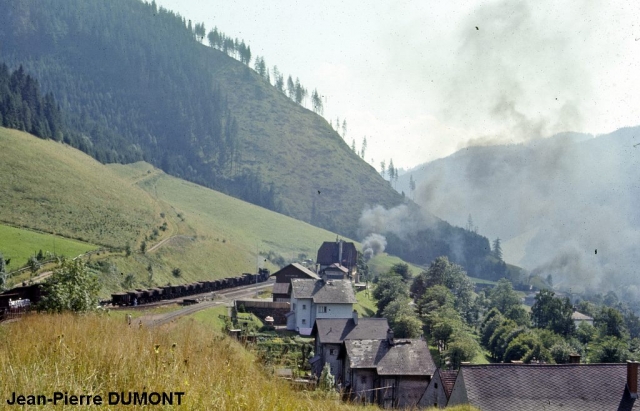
[(412, 185), (291, 88), (383, 168), (344, 128), (364, 147), (497, 249)]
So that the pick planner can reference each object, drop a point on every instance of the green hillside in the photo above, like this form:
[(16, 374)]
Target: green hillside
[(205, 233), (135, 84), (54, 188), (18, 245)]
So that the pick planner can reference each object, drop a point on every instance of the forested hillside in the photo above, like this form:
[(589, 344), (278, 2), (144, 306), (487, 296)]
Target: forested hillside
[(136, 83)]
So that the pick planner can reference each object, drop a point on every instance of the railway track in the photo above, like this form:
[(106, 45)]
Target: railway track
[(227, 296)]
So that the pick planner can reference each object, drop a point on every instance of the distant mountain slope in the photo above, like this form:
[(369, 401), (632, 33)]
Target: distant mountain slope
[(137, 84), (565, 206)]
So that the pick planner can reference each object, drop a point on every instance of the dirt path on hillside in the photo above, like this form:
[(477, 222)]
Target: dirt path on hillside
[(166, 240)]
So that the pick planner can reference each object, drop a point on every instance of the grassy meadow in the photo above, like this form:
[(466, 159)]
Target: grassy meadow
[(94, 355), (20, 244)]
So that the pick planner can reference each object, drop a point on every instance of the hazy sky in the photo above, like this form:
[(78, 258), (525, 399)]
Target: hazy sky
[(421, 79)]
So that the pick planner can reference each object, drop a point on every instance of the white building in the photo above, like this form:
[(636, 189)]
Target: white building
[(311, 299), (579, 318)]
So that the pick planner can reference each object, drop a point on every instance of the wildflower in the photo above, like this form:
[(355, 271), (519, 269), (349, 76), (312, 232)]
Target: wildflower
[(157, 348)]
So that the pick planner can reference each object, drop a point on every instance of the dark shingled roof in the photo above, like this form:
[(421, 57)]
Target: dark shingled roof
[(511, 387), (336, 267), (448, 378), (324, 292), (329, 253), (281, 288), (336, 330), (404, 357), (300, 268)]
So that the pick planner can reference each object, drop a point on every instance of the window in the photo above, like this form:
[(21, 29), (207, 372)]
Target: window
[(363, 379), (332, 351), (304, 321), (322, 308), (435, 385), (294, 306), (304, 306)]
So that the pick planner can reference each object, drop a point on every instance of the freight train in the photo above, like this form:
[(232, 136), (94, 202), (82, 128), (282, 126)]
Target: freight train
[(21, 299), (169, 292)]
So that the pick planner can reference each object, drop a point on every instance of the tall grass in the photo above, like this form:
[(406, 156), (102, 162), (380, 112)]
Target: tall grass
[(95, 355)]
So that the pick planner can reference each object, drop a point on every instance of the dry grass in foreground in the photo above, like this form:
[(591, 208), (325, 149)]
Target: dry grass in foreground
[(95, 355)]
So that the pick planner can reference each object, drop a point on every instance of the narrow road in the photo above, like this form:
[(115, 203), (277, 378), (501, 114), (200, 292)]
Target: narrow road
[(223, 297)]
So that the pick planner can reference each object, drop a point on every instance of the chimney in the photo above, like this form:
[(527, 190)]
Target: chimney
[(632, 378), (390, 337), (340, 252), (574, 358), (355, 317)]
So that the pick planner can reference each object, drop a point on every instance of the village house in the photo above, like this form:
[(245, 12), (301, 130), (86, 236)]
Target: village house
[(579, 318), (282, 287), (335, 272), (439, 389), (338, 252), (513, 387), (312, 299), (330, 333), (390, 372)]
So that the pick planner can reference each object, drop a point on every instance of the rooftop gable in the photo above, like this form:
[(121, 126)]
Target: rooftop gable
[(329, 253), (404, 357), (336, 330), (299, 268), (324, 292)]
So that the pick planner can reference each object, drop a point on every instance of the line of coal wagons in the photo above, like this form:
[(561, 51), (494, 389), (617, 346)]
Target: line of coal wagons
[(169, 292)]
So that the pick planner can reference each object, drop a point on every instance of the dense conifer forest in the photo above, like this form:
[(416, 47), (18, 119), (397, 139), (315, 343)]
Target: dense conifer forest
[(151, 102)]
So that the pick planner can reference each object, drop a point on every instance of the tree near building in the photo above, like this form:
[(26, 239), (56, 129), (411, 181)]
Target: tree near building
[(611, 350), (610, 323), (390, 287), (71, 288), (402, 318), (503, 297), (453, 277), (552, 313), (327, 380), (463, 348)]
